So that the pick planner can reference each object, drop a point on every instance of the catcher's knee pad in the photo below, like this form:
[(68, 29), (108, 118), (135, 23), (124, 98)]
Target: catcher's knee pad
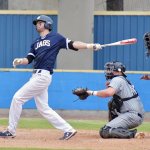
[(122, 133), (108, 132)]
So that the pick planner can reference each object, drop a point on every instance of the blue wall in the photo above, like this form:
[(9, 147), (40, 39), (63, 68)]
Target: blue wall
[(111, 28), (17, 35), (60, 91)]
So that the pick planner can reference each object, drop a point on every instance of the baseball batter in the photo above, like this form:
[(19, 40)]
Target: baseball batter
[(125, 108), (43, 52)]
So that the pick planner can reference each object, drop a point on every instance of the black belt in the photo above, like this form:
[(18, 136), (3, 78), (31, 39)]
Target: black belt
[(39, 71), (139, 115)]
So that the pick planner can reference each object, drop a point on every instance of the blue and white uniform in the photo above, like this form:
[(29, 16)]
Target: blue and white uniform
[(44, 51)]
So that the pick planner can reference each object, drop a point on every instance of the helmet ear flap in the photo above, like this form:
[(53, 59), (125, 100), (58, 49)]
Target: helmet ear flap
[(47, 26), (118, 66)]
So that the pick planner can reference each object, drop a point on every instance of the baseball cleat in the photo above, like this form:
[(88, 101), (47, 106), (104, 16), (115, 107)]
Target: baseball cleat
[(6, 134), (68, 135), (133, 133)]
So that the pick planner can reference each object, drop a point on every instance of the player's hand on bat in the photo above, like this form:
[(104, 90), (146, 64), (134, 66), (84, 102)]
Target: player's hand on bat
[(17, 61), (97, 47), (94, 46)]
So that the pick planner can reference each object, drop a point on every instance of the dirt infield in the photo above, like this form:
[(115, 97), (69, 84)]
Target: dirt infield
[(84, 139)]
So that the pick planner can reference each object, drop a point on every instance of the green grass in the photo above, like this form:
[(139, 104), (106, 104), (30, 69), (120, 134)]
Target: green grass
[(38, 123), (2, 148)]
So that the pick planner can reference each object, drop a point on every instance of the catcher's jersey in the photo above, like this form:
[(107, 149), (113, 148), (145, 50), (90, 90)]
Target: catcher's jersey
[(132, 111), (45, 50), (124, 90)]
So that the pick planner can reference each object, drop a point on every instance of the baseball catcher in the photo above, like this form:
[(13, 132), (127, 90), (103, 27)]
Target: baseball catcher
[(125, 109), (146, 39)]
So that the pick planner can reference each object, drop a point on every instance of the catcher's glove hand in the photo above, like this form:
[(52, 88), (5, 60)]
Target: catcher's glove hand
[(81, 93), (145, 77), (146, 39)]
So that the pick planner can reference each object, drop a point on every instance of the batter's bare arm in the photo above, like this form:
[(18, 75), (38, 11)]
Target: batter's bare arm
[(82, 45)]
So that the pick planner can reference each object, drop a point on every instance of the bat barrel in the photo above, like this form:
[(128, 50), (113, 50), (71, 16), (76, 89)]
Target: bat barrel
[(123, 42), (129, 41)]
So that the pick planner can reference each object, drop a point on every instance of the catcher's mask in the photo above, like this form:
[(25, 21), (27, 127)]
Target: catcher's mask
[(48, 21), (110, 67)]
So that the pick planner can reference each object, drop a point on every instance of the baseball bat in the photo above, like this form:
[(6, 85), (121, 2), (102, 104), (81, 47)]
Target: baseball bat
[(122, 42)]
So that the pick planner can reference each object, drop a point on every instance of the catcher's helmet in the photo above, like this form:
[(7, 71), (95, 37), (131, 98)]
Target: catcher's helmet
[(110, 67), (48, 21)]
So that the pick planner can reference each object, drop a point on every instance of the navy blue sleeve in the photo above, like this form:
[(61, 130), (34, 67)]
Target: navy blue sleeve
[(63, 42), (32, 51)]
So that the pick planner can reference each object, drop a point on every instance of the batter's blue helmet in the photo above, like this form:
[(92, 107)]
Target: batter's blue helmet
[(48, 21)]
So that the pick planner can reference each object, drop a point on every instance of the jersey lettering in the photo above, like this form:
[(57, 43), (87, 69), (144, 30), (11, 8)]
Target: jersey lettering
[(42, 43)]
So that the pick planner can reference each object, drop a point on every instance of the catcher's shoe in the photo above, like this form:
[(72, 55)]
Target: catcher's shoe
[(134, 131), (68, 135), (6, 134), (140, 135)]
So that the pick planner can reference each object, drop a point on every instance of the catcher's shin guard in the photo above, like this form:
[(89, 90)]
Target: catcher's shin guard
[(121, 133)]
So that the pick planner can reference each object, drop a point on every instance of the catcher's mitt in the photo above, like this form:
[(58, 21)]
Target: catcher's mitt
[(81, 93), (147, 43)]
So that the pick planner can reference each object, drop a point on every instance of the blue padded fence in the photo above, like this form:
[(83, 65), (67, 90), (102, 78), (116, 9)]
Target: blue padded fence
[(60, 91)]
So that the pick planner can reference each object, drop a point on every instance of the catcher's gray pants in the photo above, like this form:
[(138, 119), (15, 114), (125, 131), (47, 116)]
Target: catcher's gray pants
[(126, 120), (36, 87)]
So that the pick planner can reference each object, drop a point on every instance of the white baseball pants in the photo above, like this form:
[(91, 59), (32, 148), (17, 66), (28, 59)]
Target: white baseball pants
[(37, 88)]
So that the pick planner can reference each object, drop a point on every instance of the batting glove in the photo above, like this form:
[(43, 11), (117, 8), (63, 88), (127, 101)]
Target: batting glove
[(94, 46), (17, 61)]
